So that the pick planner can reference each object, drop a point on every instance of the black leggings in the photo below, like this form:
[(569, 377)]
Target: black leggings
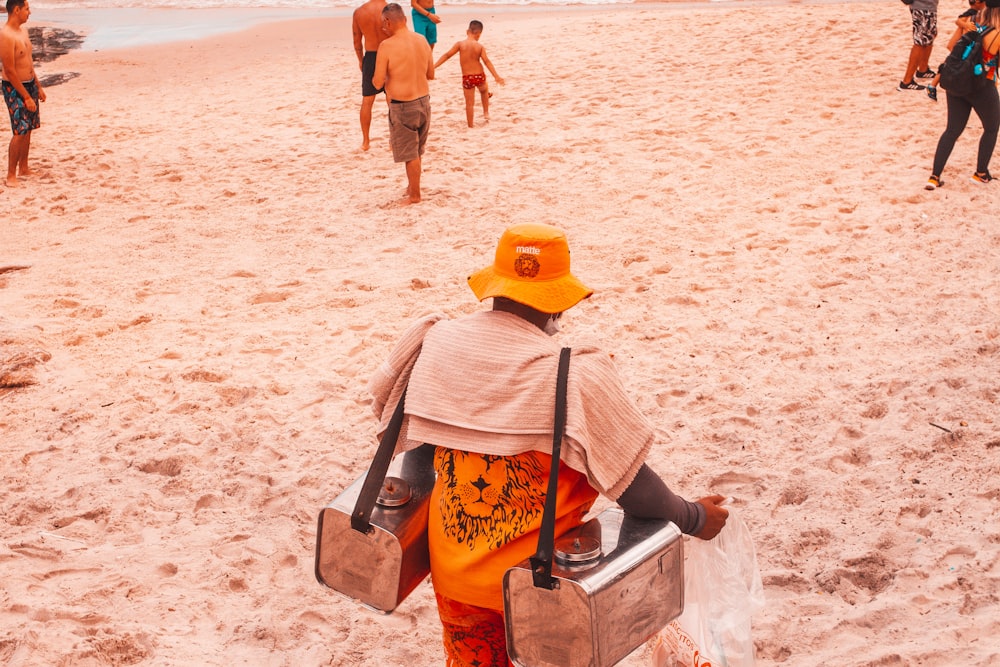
[(986, 103)]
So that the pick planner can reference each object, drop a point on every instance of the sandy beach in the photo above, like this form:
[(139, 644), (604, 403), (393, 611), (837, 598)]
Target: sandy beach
[(198, 281)]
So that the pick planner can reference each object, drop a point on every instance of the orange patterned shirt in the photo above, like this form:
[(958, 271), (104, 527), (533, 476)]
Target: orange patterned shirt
[(485, 514)]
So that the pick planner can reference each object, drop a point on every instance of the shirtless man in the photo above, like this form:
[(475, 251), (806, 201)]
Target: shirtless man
[(425, 20), (21, 90), (405, 66), (368, 34)]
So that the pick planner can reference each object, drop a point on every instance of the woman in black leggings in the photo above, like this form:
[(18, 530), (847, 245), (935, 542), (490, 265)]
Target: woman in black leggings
[(985, 102)]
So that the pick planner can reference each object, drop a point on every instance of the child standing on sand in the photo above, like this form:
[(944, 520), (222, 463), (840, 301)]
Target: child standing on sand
[(472, 57)]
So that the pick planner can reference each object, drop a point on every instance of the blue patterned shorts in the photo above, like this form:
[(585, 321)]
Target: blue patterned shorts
[(22, 121)]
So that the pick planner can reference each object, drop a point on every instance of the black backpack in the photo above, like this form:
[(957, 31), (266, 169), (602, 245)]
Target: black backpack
[(962, 71)]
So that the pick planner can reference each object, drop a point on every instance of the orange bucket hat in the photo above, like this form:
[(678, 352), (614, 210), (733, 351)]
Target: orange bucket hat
[(531, 267)]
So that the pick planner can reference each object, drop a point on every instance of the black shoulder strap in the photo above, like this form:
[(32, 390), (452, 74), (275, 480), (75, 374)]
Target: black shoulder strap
[(541, 562), (361, 518), (982, 38)]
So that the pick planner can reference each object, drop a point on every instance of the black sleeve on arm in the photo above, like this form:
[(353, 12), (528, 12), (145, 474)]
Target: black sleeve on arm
[(416, 460), (647, 497)]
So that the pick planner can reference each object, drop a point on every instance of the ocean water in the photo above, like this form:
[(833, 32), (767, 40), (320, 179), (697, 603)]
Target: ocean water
[(110, 24), (288, 4)]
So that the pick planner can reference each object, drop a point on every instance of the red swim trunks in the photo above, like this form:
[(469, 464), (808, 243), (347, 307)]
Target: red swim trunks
[(473, 80)]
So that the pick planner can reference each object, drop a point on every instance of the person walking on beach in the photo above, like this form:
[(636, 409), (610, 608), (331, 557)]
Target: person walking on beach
[(924, 16), (404, 66), (472, 57), (21, 90), (366, 27), (984, 100), (425, 20), (479, 395)]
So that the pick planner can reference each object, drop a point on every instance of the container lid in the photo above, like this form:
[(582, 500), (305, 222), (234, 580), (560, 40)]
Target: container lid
[(395, 492), (577, 549)]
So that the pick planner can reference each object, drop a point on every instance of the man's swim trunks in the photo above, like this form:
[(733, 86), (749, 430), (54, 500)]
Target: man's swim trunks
[(424, 26), (367, 72), (473, 80), (409, 123), (22, 121), (925, 27)]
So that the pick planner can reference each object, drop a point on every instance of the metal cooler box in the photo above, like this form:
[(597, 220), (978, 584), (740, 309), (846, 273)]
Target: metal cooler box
[(381, 567), (619, 581)]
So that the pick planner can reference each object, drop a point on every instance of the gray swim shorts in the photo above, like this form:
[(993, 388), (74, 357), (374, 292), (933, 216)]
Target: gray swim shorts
[(409, 123)]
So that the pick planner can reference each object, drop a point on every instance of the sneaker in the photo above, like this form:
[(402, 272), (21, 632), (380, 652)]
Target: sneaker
[(913, 85), (933, 183), (932, 92), (982, 177), (929, 74)]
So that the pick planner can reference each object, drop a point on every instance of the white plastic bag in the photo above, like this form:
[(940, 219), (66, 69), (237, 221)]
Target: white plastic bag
[(722, 591)]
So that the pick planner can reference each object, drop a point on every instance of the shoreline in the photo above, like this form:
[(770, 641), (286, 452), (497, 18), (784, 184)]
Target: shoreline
[(113, 29)]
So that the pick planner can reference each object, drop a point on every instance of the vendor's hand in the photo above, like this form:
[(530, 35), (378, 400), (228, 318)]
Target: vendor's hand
[(715, 516), (435, 19)]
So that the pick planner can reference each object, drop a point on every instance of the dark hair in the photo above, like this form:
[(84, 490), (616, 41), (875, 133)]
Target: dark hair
[(14, 4), (393, 11), (475, 26)]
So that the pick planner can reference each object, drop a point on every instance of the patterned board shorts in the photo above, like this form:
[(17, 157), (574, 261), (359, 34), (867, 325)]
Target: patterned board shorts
[(22, 121), (924, 26)]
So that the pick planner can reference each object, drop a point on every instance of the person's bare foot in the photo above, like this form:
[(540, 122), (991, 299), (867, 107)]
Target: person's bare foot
[(365, 145), (25, 172), (11, 182)]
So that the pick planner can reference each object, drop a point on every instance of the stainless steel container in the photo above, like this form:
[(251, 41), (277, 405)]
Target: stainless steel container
[(381, 567), (619, 581)]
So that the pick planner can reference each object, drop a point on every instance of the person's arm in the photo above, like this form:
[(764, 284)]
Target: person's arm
[(381, 68), (8, 59), (418, 8), (957, 35), (430, 63), (452, 51), (357, 34), (489, 66), (417, 460), (647, 497)]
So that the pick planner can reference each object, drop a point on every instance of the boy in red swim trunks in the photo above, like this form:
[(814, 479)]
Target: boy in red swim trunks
[(472, 57)]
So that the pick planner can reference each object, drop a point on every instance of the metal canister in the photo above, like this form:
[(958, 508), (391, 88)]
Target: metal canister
[(602, 608)]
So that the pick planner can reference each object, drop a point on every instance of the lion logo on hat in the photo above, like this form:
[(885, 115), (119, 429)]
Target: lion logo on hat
[(526, 266)]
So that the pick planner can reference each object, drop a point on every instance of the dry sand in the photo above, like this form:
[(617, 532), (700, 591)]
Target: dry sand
[(204, 271)]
